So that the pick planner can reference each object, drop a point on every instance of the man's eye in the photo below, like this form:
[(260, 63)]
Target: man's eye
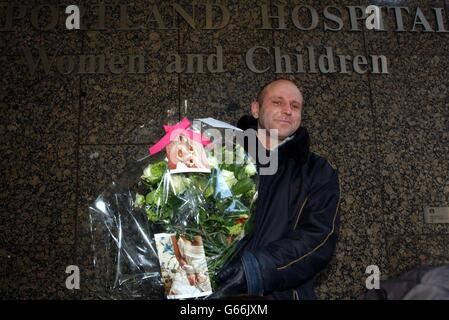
[(277, 102)]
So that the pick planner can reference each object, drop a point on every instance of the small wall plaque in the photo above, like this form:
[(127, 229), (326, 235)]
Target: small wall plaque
[(436, 214)]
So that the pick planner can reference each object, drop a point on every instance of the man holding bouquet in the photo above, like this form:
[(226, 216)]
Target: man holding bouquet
[(295, 226)]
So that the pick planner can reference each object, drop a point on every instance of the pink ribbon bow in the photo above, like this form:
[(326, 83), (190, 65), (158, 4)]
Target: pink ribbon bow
[(170, 135)]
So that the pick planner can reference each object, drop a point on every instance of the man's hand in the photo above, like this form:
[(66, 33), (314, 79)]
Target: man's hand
[(233, 281)]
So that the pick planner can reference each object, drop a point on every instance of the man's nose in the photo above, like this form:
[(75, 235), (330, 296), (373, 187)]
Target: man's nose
[(287, 109)]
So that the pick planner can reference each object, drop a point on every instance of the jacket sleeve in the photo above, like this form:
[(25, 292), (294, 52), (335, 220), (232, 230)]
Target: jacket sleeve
[(307, 249)]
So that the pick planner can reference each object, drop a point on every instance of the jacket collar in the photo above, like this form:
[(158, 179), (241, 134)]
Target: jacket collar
[(297, 147)]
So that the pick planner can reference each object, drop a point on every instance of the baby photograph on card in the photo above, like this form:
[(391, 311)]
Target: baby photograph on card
[(186, 155), (183, 266)]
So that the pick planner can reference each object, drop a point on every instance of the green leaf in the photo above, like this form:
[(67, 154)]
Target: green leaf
[(152, 215), (165, 212), (242, 186), (199, 182), (209, 192), (217, 218)]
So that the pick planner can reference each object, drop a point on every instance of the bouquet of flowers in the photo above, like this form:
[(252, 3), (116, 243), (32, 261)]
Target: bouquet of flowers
[(175, 217)]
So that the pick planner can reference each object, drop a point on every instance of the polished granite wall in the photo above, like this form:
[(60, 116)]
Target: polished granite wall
[(65, 137)]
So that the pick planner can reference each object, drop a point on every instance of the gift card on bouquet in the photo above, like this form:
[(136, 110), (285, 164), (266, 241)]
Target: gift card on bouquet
[(183, 266), (186, 155)]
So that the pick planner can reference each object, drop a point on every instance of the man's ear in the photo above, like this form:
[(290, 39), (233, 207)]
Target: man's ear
[(255, 109)]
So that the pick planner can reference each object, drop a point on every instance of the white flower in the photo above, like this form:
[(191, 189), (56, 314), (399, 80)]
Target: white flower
[(178, 183), (229, 178), (147, 172), (140, 200), (153, 173), (213, 162), (250, 169), (239, 154), (229, 157)]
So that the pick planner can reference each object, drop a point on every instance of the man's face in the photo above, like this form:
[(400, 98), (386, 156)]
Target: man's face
[(281, 108)]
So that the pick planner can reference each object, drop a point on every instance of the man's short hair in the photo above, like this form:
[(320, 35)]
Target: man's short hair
[(261, 94)]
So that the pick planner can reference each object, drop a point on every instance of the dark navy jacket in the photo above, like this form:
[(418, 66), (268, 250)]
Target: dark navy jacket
[(296, 222)]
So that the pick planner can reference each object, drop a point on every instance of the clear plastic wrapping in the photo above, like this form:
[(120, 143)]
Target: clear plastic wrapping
[(195, 196)]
